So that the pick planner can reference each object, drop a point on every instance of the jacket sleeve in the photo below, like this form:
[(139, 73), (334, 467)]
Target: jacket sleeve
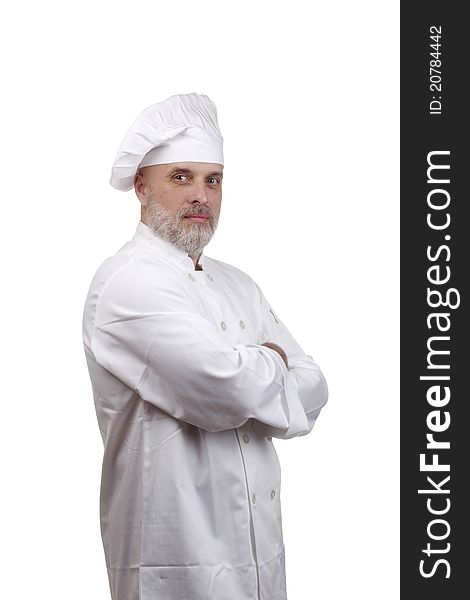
[(303, 378), (151, 336)]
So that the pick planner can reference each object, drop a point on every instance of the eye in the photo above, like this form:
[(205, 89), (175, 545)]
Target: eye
[(213, 180), (181, 177)]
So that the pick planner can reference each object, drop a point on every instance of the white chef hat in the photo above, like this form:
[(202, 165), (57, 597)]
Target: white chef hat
[(182, 128)]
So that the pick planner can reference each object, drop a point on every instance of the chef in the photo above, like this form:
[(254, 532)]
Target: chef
[(193, 375)]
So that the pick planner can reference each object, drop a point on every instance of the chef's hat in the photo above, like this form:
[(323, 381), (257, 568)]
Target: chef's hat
[(182, 128)]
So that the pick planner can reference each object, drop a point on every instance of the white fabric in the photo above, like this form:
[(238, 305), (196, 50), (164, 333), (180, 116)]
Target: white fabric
[(187, 401), (182, 128)]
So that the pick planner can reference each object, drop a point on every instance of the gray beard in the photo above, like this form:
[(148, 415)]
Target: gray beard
[(188, 236)]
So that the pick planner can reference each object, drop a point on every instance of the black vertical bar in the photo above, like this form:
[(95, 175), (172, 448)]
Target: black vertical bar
[(435, 259)]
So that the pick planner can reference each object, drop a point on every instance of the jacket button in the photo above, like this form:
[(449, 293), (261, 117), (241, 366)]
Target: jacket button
[(223, 325), (209, 277), (242, 324), (253, 499), (246, 438), (191, 276), (273, 493)]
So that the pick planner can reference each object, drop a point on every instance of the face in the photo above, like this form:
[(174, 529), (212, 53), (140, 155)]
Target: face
[(181, 202)]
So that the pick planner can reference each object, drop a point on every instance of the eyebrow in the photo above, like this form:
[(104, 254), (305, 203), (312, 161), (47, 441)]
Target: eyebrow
[(187, 171)]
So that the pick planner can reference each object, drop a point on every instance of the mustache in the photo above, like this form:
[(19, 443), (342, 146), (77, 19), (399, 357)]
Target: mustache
[(198, 210)]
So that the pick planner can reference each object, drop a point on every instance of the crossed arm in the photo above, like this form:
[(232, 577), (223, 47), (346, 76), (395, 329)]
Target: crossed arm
[(204, 381)]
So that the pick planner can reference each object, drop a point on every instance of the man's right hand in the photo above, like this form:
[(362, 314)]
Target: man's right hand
[(278, 349)]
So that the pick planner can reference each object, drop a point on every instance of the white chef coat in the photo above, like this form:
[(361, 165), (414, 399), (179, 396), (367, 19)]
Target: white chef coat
[(187, 402)]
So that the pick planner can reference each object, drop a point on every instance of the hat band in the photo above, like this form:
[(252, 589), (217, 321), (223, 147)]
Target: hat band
[(191, 145)]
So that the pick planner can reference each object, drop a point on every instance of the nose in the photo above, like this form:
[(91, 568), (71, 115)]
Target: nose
[(199, 194)]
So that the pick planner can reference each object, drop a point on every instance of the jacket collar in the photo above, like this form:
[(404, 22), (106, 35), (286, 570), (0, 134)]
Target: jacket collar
[(164, 248)]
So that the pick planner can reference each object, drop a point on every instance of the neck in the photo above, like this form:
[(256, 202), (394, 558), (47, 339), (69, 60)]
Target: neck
[(197, 265)]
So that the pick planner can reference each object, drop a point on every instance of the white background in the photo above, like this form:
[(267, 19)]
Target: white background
[(307, 97)]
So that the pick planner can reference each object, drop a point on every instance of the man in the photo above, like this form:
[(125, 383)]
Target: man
[(193, 374)]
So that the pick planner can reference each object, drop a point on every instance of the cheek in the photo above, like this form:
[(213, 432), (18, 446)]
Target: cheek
[(174, 200), (216, 203)]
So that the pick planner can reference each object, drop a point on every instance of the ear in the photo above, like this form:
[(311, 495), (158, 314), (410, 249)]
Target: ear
[(140, 187)]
